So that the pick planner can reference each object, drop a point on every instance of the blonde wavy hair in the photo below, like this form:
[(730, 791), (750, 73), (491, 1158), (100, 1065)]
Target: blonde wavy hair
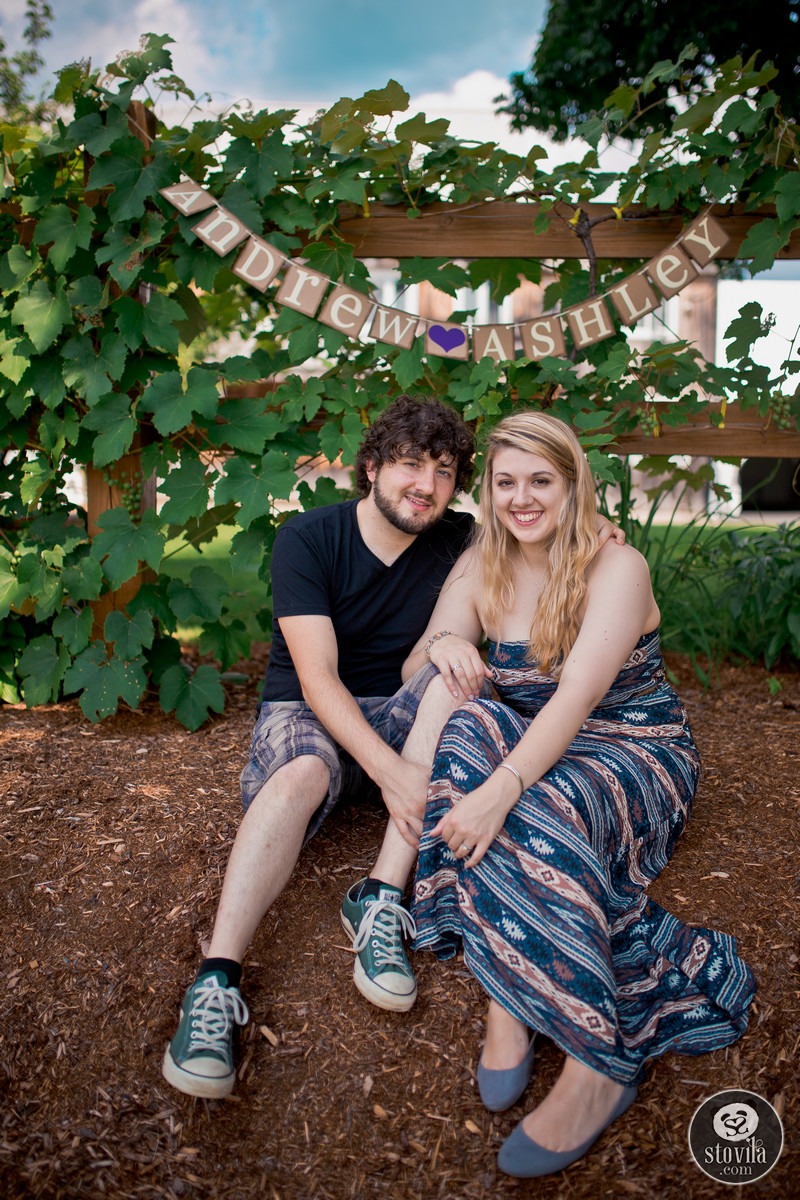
[(570, 550)]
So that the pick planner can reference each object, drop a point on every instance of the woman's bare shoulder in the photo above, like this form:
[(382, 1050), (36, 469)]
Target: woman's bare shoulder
[(465, 570), (615, 563)]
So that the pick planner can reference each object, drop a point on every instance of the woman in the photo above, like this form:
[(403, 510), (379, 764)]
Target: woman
[(550, 811)]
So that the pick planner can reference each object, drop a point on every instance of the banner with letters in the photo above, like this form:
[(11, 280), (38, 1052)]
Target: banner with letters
[(261, 265)]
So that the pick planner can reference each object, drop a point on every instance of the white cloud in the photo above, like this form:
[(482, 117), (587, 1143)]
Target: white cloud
[(101, 32), (470, 107)]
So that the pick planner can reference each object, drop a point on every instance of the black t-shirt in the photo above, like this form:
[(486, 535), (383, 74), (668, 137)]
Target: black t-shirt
[(322, 567)]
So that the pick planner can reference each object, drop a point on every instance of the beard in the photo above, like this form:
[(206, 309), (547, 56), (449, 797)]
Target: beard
[(406, 522)]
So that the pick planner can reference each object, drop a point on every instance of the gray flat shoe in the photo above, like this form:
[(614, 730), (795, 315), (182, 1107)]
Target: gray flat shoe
[(523, 1158), (500, 1089)]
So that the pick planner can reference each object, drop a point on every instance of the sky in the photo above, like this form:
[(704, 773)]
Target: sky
[(453, 56)]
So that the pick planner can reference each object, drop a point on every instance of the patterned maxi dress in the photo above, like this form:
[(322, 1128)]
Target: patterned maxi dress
[(555, 920)]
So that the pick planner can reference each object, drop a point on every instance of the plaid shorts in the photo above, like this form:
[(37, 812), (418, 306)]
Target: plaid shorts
[(286, 729)]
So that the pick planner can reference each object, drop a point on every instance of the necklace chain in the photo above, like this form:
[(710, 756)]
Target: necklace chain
[(540, 582)]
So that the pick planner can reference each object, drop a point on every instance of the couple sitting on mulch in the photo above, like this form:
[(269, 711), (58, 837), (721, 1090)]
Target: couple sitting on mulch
[(539, 794)]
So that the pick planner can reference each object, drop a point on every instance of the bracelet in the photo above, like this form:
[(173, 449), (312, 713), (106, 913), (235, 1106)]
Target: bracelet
[(435, 638), (508, 767)]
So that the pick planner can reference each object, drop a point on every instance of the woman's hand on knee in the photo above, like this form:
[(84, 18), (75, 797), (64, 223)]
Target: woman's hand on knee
[(472, 825)]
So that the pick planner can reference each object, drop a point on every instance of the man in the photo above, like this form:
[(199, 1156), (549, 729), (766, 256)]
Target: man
[(353, 585)]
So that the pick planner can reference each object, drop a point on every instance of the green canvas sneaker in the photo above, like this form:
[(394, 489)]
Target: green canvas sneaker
[(199, 1059), (376, 926)]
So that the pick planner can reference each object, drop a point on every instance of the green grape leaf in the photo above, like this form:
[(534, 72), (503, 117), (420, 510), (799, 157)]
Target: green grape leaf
[(38, 580), (299, 398), (151, 598), (9, 587), (227, 643), (103, 680), (42, 666), (419, 129), (160, 319), (503, 274), (37, 475), (173, 407), (74, 627), (248, 487), (122, 544), (16, 267), (763, 242), (264, 164), (116, 426), (238, 200), (278, 473), (206, 527), (193, 696), (129, 635), (408, 366), (134, 180), (333, 441), (42, 313), (247, 548), (382, 102), (744, 330), (201, 597), (187, 488), (130, 321), (247, 427), (304, 342), (616, 363), (14, 361), (90, 369), (45, 378), (65, 231), (787, 193), (445, 275), (86, 292), (82, 580)]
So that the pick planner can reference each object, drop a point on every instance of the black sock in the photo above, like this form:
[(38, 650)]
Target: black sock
[(222, 966), (367, 887)]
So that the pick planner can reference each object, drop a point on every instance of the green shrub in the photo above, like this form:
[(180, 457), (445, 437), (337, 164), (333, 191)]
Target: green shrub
[(755, 575)]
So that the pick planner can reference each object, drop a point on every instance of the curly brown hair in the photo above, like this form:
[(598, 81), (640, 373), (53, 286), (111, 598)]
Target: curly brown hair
[(422, 424)]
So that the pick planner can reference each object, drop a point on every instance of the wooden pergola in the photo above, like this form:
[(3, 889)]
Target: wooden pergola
[(505, 229)]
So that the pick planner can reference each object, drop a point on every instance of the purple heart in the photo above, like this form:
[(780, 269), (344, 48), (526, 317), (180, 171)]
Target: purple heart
[(448, 339)]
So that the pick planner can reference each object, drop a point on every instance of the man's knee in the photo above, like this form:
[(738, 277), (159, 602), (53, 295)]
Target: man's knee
[(302, 782)]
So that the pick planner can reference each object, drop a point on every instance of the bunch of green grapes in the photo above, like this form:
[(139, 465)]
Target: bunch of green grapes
[(130, 491), (649, 423), (780, 407)]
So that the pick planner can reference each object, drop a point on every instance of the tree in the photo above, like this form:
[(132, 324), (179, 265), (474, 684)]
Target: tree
[(591, 47), (17, 105)]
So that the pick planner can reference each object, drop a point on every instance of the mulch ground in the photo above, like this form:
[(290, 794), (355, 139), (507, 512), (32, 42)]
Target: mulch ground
[(114, 840)]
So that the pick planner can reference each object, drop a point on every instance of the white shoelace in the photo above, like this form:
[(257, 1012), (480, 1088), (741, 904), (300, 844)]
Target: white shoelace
[(212, 1012), (381, 925)]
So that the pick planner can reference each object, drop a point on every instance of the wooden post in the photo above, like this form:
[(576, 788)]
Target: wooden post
[(104, 488)]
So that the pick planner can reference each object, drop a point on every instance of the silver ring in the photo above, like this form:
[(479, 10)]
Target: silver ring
[(464, 846)]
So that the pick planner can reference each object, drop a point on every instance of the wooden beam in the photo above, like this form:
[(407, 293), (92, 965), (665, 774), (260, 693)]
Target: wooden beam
[(504, 229), (744, 435)]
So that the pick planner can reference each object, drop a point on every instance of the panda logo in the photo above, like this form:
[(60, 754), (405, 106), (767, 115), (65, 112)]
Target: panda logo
[(735, 1122)]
